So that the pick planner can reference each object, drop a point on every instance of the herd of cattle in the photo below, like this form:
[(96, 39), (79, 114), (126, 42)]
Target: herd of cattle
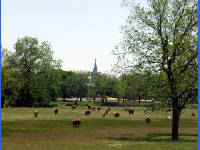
[(76, 122)]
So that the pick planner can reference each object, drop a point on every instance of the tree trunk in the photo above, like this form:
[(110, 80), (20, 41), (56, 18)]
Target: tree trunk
[(118, 100), (94, 99), (2, 101), (80, 99), (175, 104), (139, 99), (175, 124), (76, 100)]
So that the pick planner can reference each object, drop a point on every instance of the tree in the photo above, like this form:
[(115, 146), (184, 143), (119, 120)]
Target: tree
[(36, 65), (65, 79), (10, 84), (92, 93), (80, 85), (100, 85), (163, 38), (117, 89)]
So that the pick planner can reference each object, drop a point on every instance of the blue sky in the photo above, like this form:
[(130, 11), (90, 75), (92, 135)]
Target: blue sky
[(78, 30)]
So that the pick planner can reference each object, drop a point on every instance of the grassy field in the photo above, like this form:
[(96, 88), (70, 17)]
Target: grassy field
[(21, 131)]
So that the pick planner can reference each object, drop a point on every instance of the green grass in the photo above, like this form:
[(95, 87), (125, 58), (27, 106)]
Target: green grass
[(21, 131)]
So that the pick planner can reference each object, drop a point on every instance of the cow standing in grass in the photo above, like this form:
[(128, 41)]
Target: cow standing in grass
[(35, 113), (168, 110), (106, 111), (89, 106), (109, 109), (104, 114), (131, 111), (145, 110), (87, 113), (56, 110), (116, 114), (76, 122), (193, 114), (148, 120), (93, 108), (73, 106), (98, 108)]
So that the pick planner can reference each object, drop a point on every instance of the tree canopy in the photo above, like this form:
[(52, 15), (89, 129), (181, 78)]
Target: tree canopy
[(162, 37)]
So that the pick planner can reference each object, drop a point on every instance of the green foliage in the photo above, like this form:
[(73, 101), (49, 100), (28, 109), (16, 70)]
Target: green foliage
[(31, 69), (66, 84), (80, 85), (162, 38)]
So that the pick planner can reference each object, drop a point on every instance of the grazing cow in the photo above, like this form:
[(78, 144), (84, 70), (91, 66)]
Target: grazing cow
[(145, 111), (93, 108), (35, 113), (56, 110), (169, 109), (98, 108), (148, 120), (73, 106), (193, 114), (104, 114), (109, 108), (89, 106), (76, 122), (87, 113), (106, 111), (131, 111), (116, 114), (168, 117)]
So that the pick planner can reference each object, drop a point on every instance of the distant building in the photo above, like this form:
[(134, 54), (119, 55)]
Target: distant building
[(95, 71)]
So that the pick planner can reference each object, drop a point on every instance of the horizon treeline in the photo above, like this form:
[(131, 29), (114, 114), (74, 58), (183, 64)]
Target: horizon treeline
[(31, 77)]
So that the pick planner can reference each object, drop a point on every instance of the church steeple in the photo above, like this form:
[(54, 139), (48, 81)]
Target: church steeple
[(95, 71)]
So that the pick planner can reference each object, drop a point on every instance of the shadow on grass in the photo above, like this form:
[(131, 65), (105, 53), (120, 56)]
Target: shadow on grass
[(166, 137)]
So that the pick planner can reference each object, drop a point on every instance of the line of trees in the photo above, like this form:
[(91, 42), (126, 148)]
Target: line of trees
[(31, 77)]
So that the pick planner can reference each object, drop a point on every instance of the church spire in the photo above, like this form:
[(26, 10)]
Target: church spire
[(95, 71)]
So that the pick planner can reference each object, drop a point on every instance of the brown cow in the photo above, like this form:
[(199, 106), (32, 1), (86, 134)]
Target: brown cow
[(93, 108), (116, 114), (131, 111), (35, 113), (73, 106), (56, 110), (193, 114), (104, 113), (89, 106), (148, 120), (87, 113), (76, 122), (168, 110), (98, 108), (109, 108)]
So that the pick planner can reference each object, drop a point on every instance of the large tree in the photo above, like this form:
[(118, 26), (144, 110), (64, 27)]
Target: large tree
[(34, 64), (162, 37)]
